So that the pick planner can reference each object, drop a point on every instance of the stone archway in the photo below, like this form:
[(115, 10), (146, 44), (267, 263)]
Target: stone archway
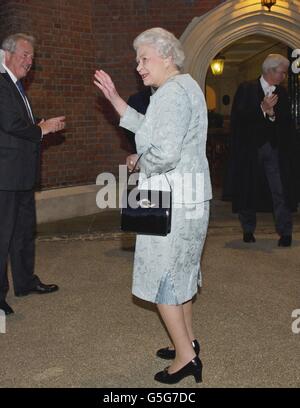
[(207, 35)]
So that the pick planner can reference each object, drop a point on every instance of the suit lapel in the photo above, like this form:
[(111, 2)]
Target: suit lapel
[(260, 91), (17, 94)]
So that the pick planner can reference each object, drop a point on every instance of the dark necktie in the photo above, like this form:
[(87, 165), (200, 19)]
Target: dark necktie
[(21, 89)]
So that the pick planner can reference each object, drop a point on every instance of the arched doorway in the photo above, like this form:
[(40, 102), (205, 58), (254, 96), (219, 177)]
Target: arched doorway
[(207, 35), (228, 23)]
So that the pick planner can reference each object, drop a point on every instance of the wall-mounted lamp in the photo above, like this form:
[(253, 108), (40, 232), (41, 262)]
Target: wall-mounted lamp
[(268, 3), (217, 65)]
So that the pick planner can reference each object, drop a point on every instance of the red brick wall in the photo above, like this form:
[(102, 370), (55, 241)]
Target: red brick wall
[(74, 37)]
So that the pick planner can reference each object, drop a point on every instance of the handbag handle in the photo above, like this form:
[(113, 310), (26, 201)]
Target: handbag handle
[(132, 171)]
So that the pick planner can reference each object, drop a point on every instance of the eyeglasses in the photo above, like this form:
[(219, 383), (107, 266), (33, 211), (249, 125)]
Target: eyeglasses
[(24, 55)]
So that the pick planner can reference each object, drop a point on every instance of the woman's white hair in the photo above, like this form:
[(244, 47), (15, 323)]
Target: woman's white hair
[(273, 61), (10, 42), (165, 43)]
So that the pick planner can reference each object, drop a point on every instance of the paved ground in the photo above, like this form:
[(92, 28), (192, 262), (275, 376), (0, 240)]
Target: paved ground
[(92, 333)]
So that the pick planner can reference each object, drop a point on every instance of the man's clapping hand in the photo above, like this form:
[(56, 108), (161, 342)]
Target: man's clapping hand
[(52, 125), (268, 104)]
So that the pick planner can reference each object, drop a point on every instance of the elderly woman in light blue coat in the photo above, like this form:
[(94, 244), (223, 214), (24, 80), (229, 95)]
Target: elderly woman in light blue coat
[(171, 137)]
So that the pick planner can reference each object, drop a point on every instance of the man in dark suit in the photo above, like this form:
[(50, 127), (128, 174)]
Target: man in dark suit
[(138, 101), (262, 147), (20, 139)]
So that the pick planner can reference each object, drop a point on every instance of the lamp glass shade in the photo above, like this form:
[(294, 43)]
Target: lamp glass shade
[(217, 66), (268, 3)]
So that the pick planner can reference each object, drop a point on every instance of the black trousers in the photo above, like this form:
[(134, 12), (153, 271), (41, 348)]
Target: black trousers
[(17, 240), (268, 156)]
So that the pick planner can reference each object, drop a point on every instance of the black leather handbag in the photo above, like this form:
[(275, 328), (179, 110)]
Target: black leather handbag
[(146, 211)]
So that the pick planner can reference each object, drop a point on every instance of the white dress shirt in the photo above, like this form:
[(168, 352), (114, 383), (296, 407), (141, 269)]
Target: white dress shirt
[(14, 79), (268, 91)]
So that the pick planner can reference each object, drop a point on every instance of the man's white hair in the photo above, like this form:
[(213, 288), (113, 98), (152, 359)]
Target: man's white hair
[(273, 61), (2, 56), (165, 43), (10, 42)]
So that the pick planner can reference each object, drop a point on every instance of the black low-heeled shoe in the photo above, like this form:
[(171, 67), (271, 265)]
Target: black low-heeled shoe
[(285, 241), (168, 354), (194, 368), (248, 237)]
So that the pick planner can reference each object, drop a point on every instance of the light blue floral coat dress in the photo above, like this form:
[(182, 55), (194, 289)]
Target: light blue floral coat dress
[(172, 137)]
